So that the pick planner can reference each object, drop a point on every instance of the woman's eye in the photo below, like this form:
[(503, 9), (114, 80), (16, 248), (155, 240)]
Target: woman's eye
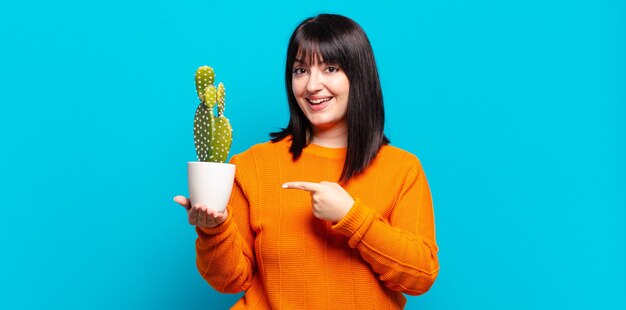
[(298, 70), (332, 69)]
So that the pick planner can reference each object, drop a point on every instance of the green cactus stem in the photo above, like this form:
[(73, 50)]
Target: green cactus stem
[(212, 133), (204, 77)]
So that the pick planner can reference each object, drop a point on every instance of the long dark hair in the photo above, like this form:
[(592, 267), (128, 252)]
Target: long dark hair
[(339, 40)]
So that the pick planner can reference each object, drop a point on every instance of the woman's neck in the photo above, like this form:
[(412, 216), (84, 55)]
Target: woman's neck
[(336, 137)]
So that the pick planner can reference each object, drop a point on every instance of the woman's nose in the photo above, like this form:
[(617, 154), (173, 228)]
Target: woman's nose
[(315, 82)]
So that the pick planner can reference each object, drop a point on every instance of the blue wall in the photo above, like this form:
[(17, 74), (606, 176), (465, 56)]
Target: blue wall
[(516, 109)]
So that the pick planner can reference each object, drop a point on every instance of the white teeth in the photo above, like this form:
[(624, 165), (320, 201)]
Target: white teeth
[(318, 101)]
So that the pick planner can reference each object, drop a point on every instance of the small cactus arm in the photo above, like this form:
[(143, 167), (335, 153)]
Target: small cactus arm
[(212, 134)]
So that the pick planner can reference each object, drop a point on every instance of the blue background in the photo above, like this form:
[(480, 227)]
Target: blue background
[(516, 109)]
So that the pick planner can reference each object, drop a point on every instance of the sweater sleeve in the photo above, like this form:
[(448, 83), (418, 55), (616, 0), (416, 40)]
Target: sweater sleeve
[(225, 254), (402, 251)]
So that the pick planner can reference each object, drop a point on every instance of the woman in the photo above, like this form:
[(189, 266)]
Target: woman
[(290, 238)]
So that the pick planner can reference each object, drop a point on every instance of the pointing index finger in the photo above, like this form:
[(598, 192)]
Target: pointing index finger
[(307, 186)]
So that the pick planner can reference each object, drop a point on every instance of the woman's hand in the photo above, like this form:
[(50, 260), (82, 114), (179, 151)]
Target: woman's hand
[(200, 215), (330, 201)]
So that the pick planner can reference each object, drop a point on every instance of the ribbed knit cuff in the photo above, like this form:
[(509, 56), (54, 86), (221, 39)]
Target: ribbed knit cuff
[(212, 231), (355, 218)]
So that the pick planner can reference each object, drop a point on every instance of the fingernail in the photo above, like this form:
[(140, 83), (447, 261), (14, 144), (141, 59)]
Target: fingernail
[(285, 185)]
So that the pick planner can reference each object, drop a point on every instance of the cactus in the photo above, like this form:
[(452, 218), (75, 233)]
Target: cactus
[(212, 134)]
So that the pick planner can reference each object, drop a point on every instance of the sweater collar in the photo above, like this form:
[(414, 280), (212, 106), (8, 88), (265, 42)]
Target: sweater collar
[(315, 149), (325, 151)]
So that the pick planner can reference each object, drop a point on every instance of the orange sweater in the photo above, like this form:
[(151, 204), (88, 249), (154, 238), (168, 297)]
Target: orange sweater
[(273, 248)]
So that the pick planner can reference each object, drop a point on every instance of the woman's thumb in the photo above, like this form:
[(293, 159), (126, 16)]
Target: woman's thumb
[(183, 201)]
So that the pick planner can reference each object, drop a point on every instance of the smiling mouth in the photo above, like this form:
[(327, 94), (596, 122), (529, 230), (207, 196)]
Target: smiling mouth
[(318, 101)]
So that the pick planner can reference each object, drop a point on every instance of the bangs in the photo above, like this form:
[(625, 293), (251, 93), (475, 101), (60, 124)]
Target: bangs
[(317, 47)]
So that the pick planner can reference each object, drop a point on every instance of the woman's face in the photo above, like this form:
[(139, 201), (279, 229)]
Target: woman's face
[(321, 90)]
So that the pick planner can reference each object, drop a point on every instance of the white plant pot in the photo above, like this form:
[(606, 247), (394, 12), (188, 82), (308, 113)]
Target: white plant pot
[(210, 183)]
